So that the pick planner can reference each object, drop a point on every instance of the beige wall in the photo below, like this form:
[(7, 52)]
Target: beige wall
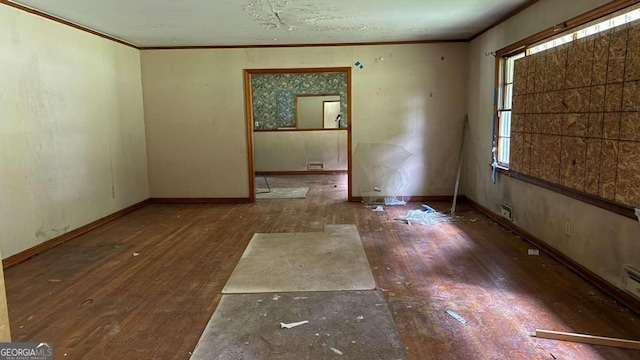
[(292, 150), (72, 142), (310, 111), (409, 95), (600, 240)]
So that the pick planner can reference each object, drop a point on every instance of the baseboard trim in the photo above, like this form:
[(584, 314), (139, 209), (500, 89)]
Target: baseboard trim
[(424, 198), (620, 295), (302, 172), (51, 243), (199, 200)]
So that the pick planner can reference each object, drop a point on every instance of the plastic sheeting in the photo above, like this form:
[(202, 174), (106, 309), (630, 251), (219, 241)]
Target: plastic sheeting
[(380, 172)]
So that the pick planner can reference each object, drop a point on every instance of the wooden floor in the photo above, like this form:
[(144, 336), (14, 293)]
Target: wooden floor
[(94, 299)]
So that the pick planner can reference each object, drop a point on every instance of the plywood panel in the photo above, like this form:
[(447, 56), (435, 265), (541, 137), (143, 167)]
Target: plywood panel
[(534, 166), (594, 129), (628, 173), (600, 58), (632, 67), (572, 163), (578, 103), (611, 126), (555, 71), (631, 96), (617, 55), (630, 126), (575, 124), (517, 151), (597, 95), (577, 100), (580, 64), (608, 169), (550, 158), (592, 166)]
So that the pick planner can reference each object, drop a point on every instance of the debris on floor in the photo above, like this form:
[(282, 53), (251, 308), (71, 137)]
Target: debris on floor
[(534, 252), (428, 209), (425, 217), (337, 351), (455, 315), (293, 324), (378, 208), (136, 254), (54, 280)]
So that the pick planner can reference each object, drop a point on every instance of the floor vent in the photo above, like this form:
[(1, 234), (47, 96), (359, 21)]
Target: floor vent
[(632, 281)]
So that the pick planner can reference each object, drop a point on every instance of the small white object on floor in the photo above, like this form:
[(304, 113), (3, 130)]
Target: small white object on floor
[(378, 208), (638, 214), (292, 325), (533, 252), (136, 254), (455, 315), (337, 351)]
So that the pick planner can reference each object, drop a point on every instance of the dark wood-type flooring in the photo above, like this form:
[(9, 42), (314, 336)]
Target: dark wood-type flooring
[(93, 299)]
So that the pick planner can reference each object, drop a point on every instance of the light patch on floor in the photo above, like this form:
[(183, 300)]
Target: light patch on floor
[(282, 193), (346, 324), (324, 261)]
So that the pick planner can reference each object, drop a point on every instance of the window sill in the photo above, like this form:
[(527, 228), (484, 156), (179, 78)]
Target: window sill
[(584, 197)]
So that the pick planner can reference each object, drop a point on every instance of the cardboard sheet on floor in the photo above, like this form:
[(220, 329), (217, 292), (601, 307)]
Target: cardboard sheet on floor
[(323, 261), (282, 193), (356, 324)]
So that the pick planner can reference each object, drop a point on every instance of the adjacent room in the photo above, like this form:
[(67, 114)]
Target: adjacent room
[(299, 179)]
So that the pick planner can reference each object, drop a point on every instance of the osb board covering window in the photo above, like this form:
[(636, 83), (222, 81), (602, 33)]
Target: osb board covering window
[(576, 115)]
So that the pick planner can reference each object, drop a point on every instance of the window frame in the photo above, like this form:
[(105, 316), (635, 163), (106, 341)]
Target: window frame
[(504, 102), (605, 12)]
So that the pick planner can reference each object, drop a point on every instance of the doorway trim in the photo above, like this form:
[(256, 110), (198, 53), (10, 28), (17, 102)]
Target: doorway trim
[(248, 102)]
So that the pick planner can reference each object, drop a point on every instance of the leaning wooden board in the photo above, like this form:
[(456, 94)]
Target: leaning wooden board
[(588, 339)]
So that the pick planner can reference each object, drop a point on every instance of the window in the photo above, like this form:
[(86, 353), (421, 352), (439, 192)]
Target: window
[(506, 71), (504, 107)]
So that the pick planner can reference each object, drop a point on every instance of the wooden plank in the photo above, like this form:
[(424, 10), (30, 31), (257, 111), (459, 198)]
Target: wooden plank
[(588, 339)]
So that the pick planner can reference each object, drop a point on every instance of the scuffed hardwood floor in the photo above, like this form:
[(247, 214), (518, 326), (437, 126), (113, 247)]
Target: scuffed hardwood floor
[(94, 300)]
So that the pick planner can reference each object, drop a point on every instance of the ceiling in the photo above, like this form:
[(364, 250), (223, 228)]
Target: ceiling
[(153, 23)]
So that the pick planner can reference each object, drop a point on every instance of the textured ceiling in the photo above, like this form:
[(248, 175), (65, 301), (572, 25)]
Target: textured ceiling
[(148, 23)]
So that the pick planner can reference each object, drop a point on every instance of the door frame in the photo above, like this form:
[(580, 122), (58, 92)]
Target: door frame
[(248, 102)]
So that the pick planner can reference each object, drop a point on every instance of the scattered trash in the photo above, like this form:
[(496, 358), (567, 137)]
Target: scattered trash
[(359, 317), (552, 356), (317, 334), (259, 300), (276, 297), (87, 302), (423, 217), (359, 65), (428, 209), (454, 315), (299, 298), (378, 208), (377, 189), (535, 252), (30, 317), (54, 280), (136, 254), (293, 324), (398, 282), (392, 294), (336, 351)]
